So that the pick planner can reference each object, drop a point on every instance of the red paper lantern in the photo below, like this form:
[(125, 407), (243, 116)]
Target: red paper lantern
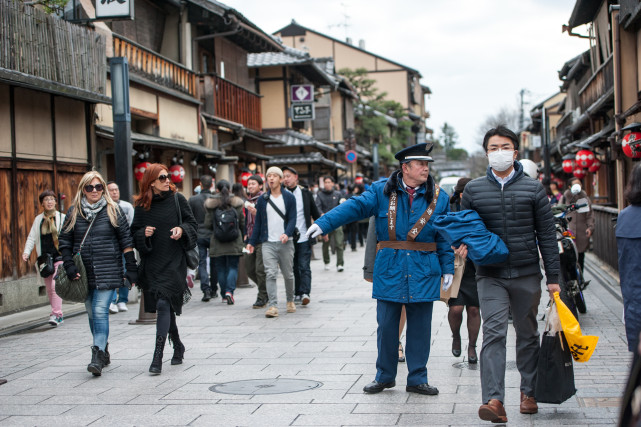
[(579, 173), (568, 165), (139, 170), (244, 177), (627, 148), (584, 159), (594, 166), (177, 173)]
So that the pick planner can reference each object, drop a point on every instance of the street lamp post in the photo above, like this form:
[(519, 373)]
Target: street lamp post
[(123, 147)]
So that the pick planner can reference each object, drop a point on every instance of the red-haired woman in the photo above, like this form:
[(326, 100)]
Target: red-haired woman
[(162, 239)]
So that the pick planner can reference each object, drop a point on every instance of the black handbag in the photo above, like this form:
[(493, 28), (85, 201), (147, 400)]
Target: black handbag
[(45, 265), (555, 374), (296, 234), (74, 290), (191, 255)]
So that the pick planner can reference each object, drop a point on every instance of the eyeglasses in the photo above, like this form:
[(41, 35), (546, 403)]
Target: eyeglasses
[(162, 178), (98, 187)]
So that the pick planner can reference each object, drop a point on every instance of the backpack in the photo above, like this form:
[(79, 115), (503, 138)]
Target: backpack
[(226, 225)]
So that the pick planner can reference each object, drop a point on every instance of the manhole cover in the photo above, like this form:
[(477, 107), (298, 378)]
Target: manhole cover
[(510, 366), (268, 386)]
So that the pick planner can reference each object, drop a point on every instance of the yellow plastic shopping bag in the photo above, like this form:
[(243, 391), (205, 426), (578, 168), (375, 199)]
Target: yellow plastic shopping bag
[(581, 346)]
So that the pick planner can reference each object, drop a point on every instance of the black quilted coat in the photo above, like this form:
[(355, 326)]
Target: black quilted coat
[(102, 251), (520, 214)]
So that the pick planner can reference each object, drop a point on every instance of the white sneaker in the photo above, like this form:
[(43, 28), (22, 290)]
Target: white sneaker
[(122, 306), (305, 300), (326, 266), (340, 268), (52, 321), (113, 308)]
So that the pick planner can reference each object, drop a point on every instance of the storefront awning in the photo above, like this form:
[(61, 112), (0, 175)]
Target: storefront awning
[(304, 158)]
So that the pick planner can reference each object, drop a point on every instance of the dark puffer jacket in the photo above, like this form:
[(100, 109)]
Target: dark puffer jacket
[(520, 214), (102, 251)]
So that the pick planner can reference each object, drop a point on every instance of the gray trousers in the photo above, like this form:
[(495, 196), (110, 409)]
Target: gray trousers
[(496, 297), (276, 254)]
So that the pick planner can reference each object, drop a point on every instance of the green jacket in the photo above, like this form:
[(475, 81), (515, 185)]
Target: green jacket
[(225, 248)]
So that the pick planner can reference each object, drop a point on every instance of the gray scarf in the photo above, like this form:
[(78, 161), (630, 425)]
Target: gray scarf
[(92, 210)]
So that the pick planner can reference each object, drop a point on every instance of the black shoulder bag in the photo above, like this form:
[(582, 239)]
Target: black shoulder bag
[(191, 255), (296, 234)]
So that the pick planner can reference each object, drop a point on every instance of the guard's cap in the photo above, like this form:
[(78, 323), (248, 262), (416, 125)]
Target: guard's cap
[(415, 152)]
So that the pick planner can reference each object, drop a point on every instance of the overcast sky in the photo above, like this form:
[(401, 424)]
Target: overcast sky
[(474, 55)]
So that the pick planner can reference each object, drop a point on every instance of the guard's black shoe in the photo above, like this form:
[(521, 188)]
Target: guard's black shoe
[(422, 389), (260, 303), (376, 387), (206, 295)]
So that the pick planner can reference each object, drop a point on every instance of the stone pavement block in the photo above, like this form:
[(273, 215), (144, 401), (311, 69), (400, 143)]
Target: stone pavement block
[(269, 409), (446, 420), (407, 408), (351, 419), (102, 409), (246, 420), (29, 409), (128, 419), (59, 420), (214, 409), (25, 399)]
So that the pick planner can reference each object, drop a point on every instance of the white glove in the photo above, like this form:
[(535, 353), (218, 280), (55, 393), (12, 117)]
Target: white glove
[(447, 281), (313, 231)]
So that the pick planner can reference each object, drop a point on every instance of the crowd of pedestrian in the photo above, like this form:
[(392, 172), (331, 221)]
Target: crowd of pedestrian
[(273, 225)]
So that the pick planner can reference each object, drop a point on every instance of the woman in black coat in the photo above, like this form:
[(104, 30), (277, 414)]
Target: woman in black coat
[(161, 240), (108, 238)]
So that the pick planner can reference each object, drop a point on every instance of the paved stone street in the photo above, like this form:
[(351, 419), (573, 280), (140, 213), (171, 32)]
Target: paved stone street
[(331, 343)]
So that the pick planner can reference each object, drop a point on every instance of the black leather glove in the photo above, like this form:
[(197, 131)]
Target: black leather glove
[(131, 268), (71, 270)]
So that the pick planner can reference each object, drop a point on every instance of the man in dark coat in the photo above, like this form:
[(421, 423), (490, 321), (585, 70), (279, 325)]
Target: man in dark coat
[(516, 208), (306, 210), (326, 200), (208, 282)]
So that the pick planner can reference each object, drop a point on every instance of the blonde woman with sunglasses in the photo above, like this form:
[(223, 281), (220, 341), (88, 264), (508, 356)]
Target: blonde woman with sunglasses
[(108, 238)]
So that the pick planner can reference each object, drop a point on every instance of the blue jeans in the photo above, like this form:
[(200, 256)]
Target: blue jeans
[(302, 272), (97, 305), (227, 268), (205, 282), (121, 295)]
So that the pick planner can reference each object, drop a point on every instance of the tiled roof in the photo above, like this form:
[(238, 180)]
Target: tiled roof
[(304, 158), (298, 139)]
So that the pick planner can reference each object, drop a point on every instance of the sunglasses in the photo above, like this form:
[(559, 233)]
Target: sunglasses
[(98, 187), (162, 178)]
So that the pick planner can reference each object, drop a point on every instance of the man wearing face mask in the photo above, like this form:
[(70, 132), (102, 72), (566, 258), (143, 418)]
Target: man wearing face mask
[(515, 207), (581, 224)]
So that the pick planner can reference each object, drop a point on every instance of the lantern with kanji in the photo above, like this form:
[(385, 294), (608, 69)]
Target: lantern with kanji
[(568, 165), (631, 140), (579, 173), (139, 170), (584, 159), (177, 173), (244, 177), (594, 167)]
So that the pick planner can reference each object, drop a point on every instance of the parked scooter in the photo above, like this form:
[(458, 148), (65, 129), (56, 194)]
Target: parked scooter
[(571, 276)]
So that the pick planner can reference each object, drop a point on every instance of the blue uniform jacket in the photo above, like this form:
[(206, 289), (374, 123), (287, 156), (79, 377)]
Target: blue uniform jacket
[(260, 232), (402, 276)]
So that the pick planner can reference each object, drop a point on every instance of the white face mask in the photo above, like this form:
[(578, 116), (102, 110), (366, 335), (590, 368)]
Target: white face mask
[(575, 189), (501, 160)]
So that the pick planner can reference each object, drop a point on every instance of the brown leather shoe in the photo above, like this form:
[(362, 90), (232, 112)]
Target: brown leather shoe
[(493, 411), (528, 404)]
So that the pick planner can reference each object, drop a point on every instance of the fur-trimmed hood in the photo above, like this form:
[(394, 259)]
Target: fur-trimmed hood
[(394, 184), (214, 202)]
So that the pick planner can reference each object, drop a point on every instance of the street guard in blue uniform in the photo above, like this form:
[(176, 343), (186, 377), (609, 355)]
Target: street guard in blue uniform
[(411, 259)]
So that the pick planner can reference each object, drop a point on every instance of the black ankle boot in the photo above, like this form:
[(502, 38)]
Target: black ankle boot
[(179, 348), (97, 361), (107, 355), (156, 364)]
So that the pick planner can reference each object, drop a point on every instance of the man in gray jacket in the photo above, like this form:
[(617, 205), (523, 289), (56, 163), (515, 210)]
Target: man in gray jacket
[(326, 200), (515, 207)]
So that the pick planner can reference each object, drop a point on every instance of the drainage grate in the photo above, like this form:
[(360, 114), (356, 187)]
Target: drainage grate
[(266, 386), (509, 366)]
